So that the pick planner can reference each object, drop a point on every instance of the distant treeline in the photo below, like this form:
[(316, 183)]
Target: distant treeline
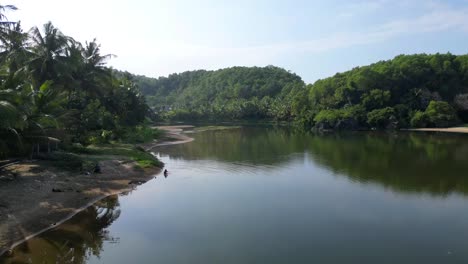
[(232, 93), (408, 91)]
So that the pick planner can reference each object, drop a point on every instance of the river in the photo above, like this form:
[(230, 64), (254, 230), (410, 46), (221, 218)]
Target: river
[(272, 195)]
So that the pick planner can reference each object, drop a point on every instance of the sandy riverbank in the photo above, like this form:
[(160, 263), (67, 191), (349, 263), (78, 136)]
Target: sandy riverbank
[(35, 197), (173, 136), (448, 130)]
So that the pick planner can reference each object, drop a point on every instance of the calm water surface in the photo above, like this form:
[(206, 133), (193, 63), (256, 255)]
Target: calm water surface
[(266, 195)]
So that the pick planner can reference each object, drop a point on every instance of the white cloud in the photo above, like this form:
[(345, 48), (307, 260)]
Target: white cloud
[(435, 21)]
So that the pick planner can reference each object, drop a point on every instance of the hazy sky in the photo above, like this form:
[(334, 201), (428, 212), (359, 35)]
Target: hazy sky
[(314, 39)]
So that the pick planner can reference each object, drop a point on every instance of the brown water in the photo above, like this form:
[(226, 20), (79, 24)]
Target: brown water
[(266, 195)]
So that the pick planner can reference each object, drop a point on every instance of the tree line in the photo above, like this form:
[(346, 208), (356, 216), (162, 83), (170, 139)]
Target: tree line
[(235, 93), (54, 89), (422, 90)]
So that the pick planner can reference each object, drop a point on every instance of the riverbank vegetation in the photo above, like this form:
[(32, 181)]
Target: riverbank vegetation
[(56, 93), (408, 91)]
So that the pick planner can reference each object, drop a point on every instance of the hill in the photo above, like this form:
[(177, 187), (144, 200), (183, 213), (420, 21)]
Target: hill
[(408, 91), (231, 93)]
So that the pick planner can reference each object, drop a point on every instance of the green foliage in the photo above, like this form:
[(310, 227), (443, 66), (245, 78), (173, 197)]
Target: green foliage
[(419, 119), (232, 93), (55, 88), (437, 114), (352, 116), (141, 134), (330, 117), (441, 114), (380, 118), (407, 84), (143, 158), (375, 99), (94, 116)]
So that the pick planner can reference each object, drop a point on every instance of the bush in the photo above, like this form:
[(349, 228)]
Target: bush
[(355, 112), (140, 134), (375, 98), (441, 114), (348, 118), (419, 119), (329, 117), (381, 118)]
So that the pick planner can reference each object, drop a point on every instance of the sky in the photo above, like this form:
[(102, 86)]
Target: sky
[(314, 39)]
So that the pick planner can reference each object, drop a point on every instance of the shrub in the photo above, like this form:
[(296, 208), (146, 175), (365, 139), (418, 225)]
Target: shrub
[(419, 119), (140, 134), (441, 114), (380, 118), (375, 98), (349, 118), (328, 116)]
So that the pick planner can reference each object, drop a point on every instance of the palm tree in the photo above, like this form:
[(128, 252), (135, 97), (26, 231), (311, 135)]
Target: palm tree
[(12, 119), (49, 54), (93, 58), (95, 73), (14, 48), (3, 18)]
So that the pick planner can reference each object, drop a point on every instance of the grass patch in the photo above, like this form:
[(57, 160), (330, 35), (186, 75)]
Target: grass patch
[(137, 154), (63, 160), (141, 134)]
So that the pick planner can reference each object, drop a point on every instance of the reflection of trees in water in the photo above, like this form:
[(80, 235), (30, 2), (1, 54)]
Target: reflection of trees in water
[(73, 241), (407, 162), (425, 163), (250, 145)]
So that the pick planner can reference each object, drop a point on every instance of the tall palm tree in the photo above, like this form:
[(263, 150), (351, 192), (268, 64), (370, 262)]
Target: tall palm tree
[(92, 55), (95, 73), (14, 48), (49, 54)]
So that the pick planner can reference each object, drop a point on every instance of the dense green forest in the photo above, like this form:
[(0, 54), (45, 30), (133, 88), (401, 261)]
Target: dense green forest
[(56, 90), (408, 91), (232, 93)]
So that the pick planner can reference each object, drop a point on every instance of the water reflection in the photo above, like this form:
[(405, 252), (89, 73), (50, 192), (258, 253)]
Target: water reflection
[(74, 241), (430, 163), (403, 162), (257, 195)]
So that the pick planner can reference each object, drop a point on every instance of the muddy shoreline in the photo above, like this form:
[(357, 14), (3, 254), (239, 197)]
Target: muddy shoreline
[(39, 197)]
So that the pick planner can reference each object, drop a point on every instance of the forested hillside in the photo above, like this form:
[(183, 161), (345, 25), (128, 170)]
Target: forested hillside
[(409, 91), (232, 93)]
